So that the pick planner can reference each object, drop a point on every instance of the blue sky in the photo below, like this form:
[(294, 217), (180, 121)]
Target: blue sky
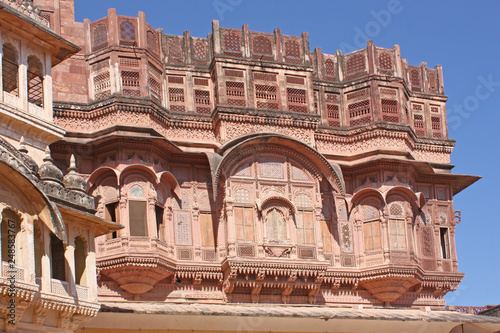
[(462, 36)]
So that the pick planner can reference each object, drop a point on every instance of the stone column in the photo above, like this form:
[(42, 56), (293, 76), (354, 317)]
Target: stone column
[(231, 232), (151, 218), (23, 80), (277, 41), (47, 89), (46, 269), (384, 223), (246, 49), (69, 255), (142, 30), (318, 219), (29, 249), (90, 266), (216, 37), (190, 102)]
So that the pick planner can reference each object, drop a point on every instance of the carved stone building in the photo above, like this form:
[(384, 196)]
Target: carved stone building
[(247, 169), (47, 272)]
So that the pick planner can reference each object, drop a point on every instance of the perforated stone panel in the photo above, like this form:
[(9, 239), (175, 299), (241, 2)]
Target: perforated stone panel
[(185, 254), (271, 168), (242, 196), (209, 255), (246, 250), (182, 221)]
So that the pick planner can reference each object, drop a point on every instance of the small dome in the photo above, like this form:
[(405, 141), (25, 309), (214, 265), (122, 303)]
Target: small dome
[(27, 158), (72, 180), (48, 171)]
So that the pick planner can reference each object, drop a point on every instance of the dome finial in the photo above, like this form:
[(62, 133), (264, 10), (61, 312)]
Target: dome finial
[(72, 180), (48, 171), (22, 146), (47, 157), (72, 164)]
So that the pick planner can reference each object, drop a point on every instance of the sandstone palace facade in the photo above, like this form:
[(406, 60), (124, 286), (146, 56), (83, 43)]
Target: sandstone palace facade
[(192, 182)]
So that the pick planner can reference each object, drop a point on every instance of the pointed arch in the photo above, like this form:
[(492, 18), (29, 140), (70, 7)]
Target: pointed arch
[(10, 69), (280, 199)]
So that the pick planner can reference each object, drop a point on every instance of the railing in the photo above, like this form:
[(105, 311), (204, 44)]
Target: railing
[(468, 309), (35, 110), (15, 102), (139, 243), (82, 292), (59, 287), (16, 271), (11, 100)]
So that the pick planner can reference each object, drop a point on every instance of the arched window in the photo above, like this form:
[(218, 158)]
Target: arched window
[(58, 263), (137, 212), (305, 227), (151, 40), (10, 70), (329, 68), (127, 34), (371, 226), (397, 227), (200, 52), (174, 48), (415, 77), (80, 262), (100, 37), (35, 81), (276, 226)]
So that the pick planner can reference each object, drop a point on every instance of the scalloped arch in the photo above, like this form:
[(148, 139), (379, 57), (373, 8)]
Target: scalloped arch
[(278, 198)]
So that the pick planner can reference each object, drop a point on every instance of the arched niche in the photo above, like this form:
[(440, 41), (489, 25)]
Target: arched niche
[(81, 261), (10, 69), (35, 80)]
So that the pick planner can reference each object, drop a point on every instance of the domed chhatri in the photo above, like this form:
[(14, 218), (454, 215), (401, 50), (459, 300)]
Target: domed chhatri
[(48, 171), (72, 180)]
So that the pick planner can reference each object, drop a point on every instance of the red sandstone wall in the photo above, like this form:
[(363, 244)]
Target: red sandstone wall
[(69, 77)]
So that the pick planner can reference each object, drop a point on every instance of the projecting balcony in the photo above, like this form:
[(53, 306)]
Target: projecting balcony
[(12, 271), (62, 288), (15, 279), (136, 263)]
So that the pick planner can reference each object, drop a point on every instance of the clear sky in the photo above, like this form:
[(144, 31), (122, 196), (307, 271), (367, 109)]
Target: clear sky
[(462, 36)]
